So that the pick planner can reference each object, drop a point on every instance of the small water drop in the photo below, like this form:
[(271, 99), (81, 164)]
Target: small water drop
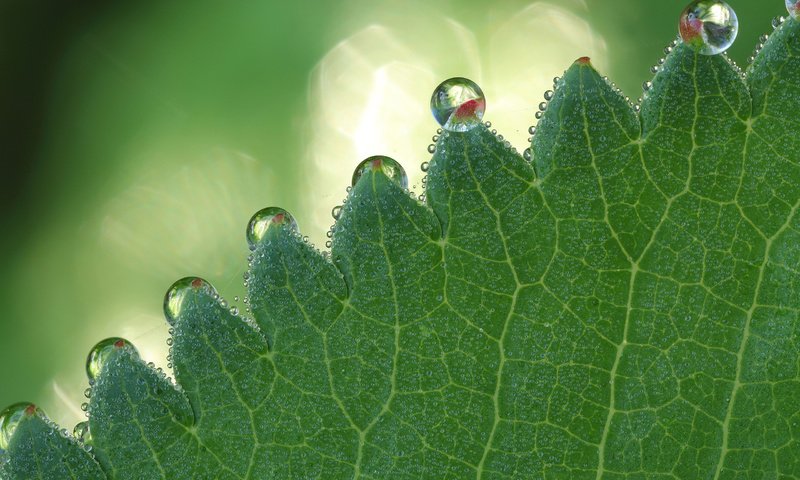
[(543, 106), (548, 95), (100, 353), (539, 115), (432, 148), (532, 129), (265, 219), (439, 131), (177, 293), (527, 154), (710, 26), (435, 138), (646, 86), (556, 80), (328, 244), (424, 167), (9, 421), (458, 104), (386, 165), (84, 407), (88, 392), (336, 212), (234, 311), (488, 124), (81, 432)]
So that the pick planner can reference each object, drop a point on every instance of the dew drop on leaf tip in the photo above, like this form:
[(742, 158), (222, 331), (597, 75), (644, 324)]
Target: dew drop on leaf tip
[(709, 26), (265, 219), (101, 352), (458, 104), (176, 295), (10, 418), (379, 163)]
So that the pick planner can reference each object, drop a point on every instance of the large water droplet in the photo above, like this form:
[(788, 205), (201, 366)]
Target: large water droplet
[(266, 218), (458, 104), (793, 6), (710, 26), (101, 352), (9, 421), (176, 295), (387, 165), (81, 432)]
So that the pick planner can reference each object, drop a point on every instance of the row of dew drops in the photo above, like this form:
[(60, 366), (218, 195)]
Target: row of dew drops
[(458, 105)]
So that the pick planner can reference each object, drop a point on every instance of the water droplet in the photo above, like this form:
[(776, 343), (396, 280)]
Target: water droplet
[(458, 104), (532, 129), (88, 392), (84, 407), (101, 352), (234, 311), (169, 342), (439, 131), (424, 167), (527, 154), (336, 212), (646, 86), (488, 124), (264, 219), (177, 293), (548, 95), (556, 80), (388, 166), (539, 114), (710, 26), (435, 138), (543, 106), (654, 69), (10, 418), (81, 432), (431, 148), (328, 244)]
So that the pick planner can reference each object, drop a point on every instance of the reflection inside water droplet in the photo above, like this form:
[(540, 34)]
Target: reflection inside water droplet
[(101, 352), (458, 104), (81, 432), (710, 26), (177, 293), (9, 421), (266, 218), (379, 163)]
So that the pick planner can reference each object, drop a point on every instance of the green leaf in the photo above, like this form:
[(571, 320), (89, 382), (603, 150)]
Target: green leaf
[(625, 306)]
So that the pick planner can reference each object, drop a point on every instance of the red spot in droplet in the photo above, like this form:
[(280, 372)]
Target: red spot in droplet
[(119, 343), (197, 283), (584, 61), (278, 218), (30, 409), (467, 109), (690, 28)]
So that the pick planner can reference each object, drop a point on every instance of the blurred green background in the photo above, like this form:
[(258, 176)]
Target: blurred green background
[(139, 137)]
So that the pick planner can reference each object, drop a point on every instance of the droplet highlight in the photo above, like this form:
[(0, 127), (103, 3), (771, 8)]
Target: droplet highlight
[(176, 295), (379, 163), (709, 26), (99, 355), (9, 421), (458, 104), (793, 6), (265, 219)]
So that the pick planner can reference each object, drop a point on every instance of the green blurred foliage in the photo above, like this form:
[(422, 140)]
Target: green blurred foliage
[(158, 128)]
